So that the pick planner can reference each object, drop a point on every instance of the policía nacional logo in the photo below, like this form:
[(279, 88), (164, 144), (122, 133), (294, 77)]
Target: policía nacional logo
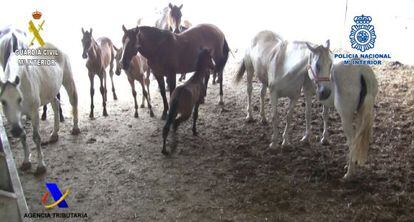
[(362, 34)]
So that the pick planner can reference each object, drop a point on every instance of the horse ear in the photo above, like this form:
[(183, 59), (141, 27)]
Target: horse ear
[(181, 6), (83, 31), (328, 43), (170, 5), (90, 31), (123, 28), (16, 80), (310, 47)]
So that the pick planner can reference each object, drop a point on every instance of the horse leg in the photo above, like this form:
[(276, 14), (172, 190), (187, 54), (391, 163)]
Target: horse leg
[(347, 119), (171, 82), (41, 166), (214, 77), (103, 93), (147, 83), (195, 117), (70, 88), (249, 117), (161, 85), (111, 75), (182, 77), (285, 136), (308, 103), (206, 78), (55, 106), (275, 117), (92, 92), (262, 103), (134, 94), (220, 79), (26, 162), (146, 96), (62, 118), (325, 111), (44, 115)]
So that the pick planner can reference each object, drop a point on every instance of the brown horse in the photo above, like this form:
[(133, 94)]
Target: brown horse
[(138, 70), (187, 98), (170, 19), (100, 54), (169, 53)]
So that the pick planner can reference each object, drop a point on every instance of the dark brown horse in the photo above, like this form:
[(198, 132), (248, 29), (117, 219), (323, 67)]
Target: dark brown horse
[(99, 55), (168, 53), (187, 98)]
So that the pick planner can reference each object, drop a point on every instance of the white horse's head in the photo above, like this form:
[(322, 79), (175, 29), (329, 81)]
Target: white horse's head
[(11, 100), (320, 69)]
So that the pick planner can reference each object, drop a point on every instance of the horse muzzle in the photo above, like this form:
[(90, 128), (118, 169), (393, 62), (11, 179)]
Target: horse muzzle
[(84, 55), (16, 131), (118, 72), (324, 93)]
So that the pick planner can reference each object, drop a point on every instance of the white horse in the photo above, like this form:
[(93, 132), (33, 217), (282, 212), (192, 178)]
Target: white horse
[(283, 67), (26, 88), (354, 88)]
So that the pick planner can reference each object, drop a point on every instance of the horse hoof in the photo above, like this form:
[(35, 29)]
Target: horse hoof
[(43, 117), (164, 152), (75, 131), (40, 170), (115, 97), (305, 139), (105, 113), (91, 116), (221, 103), (53, 138), (142, 106), (151, 114), (62, 119), (136, 115), (26, 166), (164, 116), (249, 119), (324, 141), (285, 143), (273, 145), (195, 134), (264, 122)]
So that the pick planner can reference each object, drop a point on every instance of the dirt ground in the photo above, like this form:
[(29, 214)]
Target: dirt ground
[(117, 173)]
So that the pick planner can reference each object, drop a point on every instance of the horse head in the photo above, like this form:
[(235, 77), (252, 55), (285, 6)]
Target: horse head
[(320, 69), (175, 14), (129, 48), (11, 100), (86, 42), (118, 65)]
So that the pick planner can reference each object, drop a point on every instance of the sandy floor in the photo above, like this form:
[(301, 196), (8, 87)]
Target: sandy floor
[(117, 173)]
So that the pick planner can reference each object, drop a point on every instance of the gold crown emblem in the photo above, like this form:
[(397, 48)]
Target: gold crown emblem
[(36, 14)]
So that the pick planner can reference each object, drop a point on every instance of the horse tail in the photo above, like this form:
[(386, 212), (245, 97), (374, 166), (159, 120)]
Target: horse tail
[(70, 87), (365, 119), (221, 63), (240, 72)]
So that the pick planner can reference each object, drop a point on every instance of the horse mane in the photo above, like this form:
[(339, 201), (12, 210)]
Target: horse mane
[(155, 33)]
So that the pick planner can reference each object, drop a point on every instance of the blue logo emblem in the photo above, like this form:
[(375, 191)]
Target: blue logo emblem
[(362, 34)]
